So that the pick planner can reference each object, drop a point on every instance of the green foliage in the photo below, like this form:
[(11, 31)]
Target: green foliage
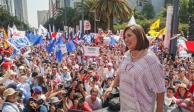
[(6, 19), (184, 13), (148, 11), (191, 7), (183, 27), (109, 9), (73, 18), (119, 26)]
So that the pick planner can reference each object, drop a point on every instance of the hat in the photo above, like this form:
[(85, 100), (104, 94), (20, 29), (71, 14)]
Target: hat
[(9, 92), (8, 73), (54, 100), (37, 90), (182, 85), (65, 68)]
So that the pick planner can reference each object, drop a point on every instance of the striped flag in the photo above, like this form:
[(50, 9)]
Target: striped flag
[(53, 8)]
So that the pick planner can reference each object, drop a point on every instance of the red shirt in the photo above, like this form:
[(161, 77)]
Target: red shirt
[(85, 107)]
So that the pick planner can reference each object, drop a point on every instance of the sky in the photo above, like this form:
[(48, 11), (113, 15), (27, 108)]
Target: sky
[(33, 6)]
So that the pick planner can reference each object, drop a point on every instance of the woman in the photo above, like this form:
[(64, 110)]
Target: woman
[(140, 75), (182, 92)]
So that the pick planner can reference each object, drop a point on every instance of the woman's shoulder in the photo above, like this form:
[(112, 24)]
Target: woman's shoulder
[(151, 58)]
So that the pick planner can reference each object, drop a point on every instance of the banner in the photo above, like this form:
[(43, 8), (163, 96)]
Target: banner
[(91, 51), (87, 25), (182, 48), (18, 42)]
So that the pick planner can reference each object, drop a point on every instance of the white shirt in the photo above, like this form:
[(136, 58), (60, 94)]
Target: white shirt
[(96, 105), (10, 107)]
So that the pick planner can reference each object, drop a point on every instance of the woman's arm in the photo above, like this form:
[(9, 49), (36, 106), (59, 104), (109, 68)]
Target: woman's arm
[(160, 102)]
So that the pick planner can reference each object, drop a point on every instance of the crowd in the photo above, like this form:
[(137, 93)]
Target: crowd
[(33, 81)]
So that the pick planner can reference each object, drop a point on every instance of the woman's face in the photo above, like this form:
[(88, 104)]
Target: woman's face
[(130, 39), (182, 90)]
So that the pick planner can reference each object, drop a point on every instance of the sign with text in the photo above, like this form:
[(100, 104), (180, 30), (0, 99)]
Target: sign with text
[(91, 51), (18, 42)]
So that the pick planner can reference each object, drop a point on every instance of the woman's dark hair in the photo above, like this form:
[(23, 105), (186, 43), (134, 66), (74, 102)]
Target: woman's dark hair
[(142, 41)]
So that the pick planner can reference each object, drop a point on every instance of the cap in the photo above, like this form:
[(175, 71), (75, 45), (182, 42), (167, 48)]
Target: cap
[(54, 100), (8, 92), (37, 90)]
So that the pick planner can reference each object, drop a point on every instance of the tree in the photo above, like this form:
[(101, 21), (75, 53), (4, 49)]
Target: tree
[(108, 9), (148, 11), (72, 18), (6, 19), (191, 7), (184, 13)]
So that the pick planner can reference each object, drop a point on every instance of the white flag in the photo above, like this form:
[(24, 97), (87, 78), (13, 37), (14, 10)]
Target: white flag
[(42, 30), (132, 21)]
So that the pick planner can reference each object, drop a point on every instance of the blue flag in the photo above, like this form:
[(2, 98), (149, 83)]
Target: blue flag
[(112, 41), (50, 46), (59, 55), (38, 40), (70, 46)]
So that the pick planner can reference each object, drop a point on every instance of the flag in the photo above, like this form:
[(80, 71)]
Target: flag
[(155, 25), (153, 33), (190, 46), (112, 41), (59, 54), (161, 33), (5, 44), (50, 46), (132, 21), (70, 46), (38, 40), (42, 30)]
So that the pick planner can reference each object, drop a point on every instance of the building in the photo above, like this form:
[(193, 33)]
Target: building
[(138, 4), (8, 5), (43, 16), (20, 7)]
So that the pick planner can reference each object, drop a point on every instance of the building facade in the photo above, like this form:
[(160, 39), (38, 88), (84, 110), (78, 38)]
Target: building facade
[(42, 16), (8, 5), (21, 12)]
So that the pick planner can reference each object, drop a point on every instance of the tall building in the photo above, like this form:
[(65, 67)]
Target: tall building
[(21, 13), (43, 16), (8, 5)]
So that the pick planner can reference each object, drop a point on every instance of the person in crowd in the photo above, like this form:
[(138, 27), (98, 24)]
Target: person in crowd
[(182, 92), (170, 100), (79, 103), (10, 104), (140, 75), (93, 100)]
